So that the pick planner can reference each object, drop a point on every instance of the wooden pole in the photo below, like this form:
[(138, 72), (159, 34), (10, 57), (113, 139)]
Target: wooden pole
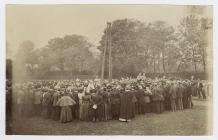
[(103, 60), (110, 49)]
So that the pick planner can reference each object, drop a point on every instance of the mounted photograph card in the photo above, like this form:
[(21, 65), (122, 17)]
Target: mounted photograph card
[(109, 69)]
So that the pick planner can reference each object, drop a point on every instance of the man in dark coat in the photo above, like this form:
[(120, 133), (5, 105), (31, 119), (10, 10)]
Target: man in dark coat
[(148, 95), (141, 100), (185, 95), (115, 104), (55, 109), (189, 95), (158, 98), (134, 101), (75, 108), (125, 104), (46, 99), (97, 106), (172, 95), (179, 95), (166, 88), (137, 106)]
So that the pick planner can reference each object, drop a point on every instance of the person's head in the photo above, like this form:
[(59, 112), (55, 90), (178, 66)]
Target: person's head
[(147, 88), (140, 87), (65, 93), (128, 87), (87, 93)]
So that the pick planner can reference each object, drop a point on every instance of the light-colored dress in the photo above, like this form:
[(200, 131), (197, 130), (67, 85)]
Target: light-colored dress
[(86, 102), (80, 96)]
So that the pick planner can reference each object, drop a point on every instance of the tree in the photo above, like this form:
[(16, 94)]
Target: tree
[(25, 58), (70, 53), (161, 39), (125, 45), (192, 34), (137, 46), (206, 24)]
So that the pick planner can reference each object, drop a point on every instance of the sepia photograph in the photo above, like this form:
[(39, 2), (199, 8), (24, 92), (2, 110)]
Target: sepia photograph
[(109, 69)]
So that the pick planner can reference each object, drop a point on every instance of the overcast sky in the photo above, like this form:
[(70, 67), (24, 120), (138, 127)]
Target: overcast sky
[(41, 23)]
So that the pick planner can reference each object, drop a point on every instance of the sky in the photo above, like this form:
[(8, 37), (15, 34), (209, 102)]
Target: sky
[(39, 23)]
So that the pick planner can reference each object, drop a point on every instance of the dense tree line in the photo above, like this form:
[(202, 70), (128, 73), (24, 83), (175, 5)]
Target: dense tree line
[(70, 53), (158, 47), (136, 46)]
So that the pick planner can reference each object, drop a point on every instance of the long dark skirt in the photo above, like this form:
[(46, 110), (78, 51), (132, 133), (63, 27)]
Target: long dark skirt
[(105, 111), (159, 106), (142, 108), (66, 114), (167, 105), (179, 104), (90, 115), (108, 115), (50, 110), (136, 108), (133, 110), (190, 103), (73, 108), (115, 110), (173, 104), (153, 106), (76, 112), (45, 113), (94, 114), (100, 112), (148, 108), (56, 113), (97, 114), (185, 102)]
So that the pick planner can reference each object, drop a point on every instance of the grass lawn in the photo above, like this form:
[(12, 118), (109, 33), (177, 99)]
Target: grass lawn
[(186, 122)]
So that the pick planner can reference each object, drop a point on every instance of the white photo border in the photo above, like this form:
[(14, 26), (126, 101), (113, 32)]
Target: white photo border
[(3, 4)]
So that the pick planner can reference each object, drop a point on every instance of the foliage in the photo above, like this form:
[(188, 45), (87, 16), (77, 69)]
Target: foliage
[(157, 46), (193, 41), (136, 46), (71, 53)]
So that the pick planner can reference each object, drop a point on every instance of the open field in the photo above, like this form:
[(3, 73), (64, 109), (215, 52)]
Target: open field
[(187, 122)]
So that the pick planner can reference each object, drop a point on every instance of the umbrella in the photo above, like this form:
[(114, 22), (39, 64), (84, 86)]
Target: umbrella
[(65, 101)]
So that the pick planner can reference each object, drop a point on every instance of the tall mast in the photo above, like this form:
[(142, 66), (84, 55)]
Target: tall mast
[(104, 55), (110, 49)]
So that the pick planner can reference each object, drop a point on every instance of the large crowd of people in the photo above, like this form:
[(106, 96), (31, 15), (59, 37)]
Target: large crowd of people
[(96, 100)]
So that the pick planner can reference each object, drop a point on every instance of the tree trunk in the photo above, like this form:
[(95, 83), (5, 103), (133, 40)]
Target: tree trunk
[(195, 67), (203, 59), (146, 64), (163, 62), (154, 61), (178, 68), (194, 61), (104, 55), (110, 56)]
